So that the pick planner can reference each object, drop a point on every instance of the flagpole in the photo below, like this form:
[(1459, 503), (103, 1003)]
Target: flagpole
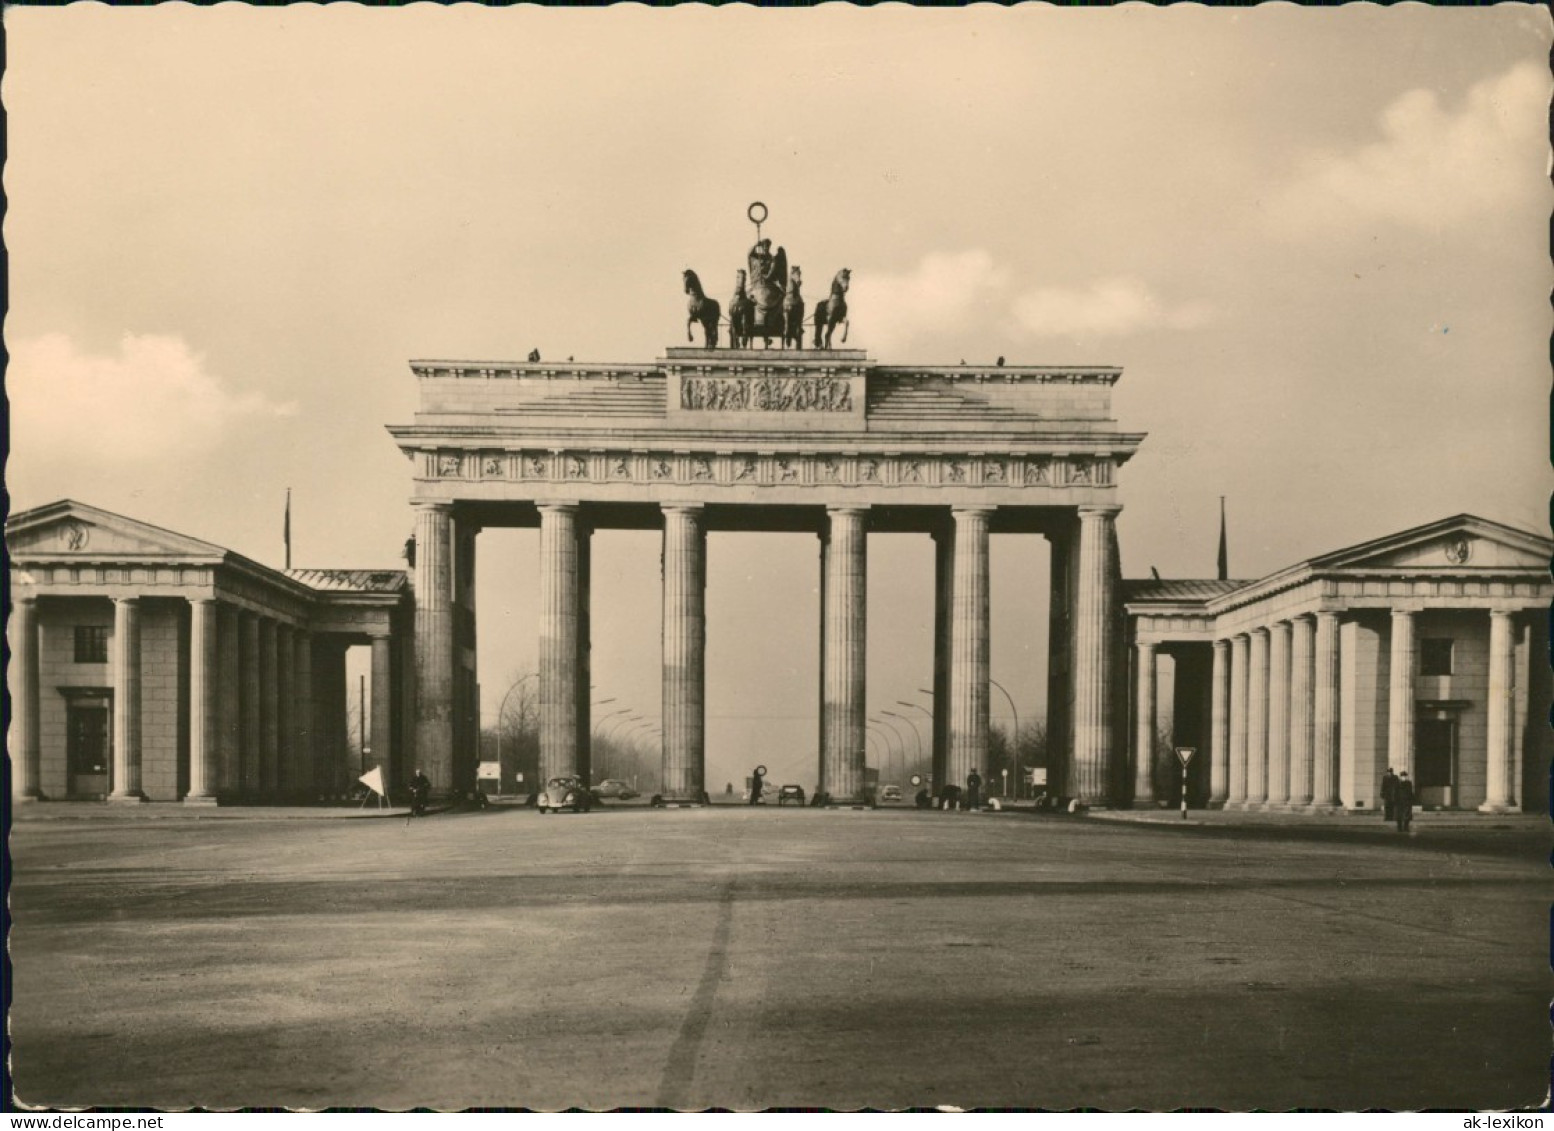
[(1224, 550), (287, 532)]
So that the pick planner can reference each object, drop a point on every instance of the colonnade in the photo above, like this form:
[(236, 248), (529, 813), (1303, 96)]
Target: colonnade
[(258, 689), (961, 700), (1277, 702)]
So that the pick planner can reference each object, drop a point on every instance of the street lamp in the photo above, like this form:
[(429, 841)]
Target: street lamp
[(1014, 739), (900, 742), (917, 739)]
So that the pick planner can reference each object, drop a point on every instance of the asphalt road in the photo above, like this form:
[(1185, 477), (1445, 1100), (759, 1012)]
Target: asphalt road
[(748, 959)]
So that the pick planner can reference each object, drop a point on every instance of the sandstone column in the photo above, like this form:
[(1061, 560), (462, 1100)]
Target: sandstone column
[(25, 742), (1500, 792), (1400, 701), (1279, 714), (126, 700), (1324, 714), (822, 773), (383, 704), (584, 678), (558, 640), (269, 686), (229, 732), (304, 769), (1091, 764), (1239, 648), (943, 621), (1301, 779), (1219, 726), (969, 646), (685, 653), (434, 642), (285, 710), (204, 768), (1144, 734), (1257, 719), (248, 677), (846, 613)]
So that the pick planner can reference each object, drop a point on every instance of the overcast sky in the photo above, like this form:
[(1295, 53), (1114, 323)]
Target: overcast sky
[(1315, 240)]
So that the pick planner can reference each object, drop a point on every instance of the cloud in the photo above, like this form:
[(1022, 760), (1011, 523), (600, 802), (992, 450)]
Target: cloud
[(1106, 308), (151, 402), (946, 293), (1432, 165)]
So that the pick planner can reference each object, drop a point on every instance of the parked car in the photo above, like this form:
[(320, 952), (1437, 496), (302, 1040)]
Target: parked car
[(890, 793), (789, 793), (565, 793), (615, 790)]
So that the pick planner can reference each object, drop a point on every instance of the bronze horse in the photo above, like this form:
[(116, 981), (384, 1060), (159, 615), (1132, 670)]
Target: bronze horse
[(700, 308), (831, 311), (741, 315), (793, 312)]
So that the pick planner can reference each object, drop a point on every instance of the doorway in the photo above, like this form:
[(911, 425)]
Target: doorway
[(88, 749)]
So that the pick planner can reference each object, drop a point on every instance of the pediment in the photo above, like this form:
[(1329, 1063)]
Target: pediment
[(74, 530), (1463, 542)]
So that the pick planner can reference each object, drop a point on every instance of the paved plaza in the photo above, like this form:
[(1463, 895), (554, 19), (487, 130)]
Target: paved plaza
[(752, 958)]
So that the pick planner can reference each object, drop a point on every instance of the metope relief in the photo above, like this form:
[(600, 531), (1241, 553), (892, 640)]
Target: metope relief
[(766, 394)]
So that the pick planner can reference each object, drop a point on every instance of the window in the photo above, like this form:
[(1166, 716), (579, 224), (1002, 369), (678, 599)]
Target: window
[(1435, 657), (91, 644)]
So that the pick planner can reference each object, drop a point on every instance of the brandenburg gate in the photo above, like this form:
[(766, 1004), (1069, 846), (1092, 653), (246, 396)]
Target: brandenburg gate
[(825, 441)]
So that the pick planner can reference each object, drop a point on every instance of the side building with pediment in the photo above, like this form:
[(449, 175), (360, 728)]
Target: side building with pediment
[(1425, 652), (149, 665)]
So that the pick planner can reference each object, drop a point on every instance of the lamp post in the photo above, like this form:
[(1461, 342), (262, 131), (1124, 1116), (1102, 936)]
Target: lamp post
[(900, 742), (929, 714), (917, 739), (885, 757), (1014, 739), (501, 711)]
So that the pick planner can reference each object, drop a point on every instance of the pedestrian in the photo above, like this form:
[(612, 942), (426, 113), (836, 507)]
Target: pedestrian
[(1389, 792), (420, 790), (973, 789), (757, 783), (1403, 802)]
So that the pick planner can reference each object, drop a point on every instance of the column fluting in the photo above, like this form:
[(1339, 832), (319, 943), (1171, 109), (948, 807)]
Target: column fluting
[(1090, 769), (1257, 719), (1499, 793), (1301, 778), (1400, 699), (1219, 725), (845, 634), (434, 642), (685, 654), (248, 680), (204, 766), (269, 690), (126, 700), (969, 706), (1239, 649), (1144, 733), (558, 640), (26, 740), (383, 705), (1279, 714)]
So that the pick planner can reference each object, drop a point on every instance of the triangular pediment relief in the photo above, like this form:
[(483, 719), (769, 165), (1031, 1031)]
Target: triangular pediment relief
[(74, 530), (1463, 542)]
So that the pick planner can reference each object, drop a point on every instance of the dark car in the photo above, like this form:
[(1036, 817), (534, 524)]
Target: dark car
[(790, 793), (565, 793)]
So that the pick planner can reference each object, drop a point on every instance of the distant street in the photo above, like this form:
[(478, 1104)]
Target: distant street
[(749, 958)]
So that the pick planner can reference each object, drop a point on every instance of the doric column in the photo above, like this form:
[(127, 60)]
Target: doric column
[(1090, 769), (584, 705), (1500, 793), (204, 767), (269, 690), (1144, 735), (126, 700), (434, 642), (25, 742), (1239, 647), (846, 613), (285, 710), (822, 774), (969, 646), (943, 608), (1257, 719), (1219, 725), (382, 704), (1279, 714), (304, 775), (1400, 701), (229, 731), (1300, 712), (558, 639), (248, 678), (1324, 714), (683, 776)]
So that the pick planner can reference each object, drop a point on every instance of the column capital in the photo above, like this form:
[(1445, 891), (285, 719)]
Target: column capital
[(133, 599), (1252, 633), (557, 506), (202, 600), (1222, 644), (28, 599), (682, 508), (1403, 613), (1147, 647), (1096, 512), (973, 512), (861, 510)]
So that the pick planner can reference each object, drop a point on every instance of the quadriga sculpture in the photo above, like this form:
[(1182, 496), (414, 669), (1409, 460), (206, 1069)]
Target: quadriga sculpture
[(741, 314), (832, 311), (793, 312), (700, 308)]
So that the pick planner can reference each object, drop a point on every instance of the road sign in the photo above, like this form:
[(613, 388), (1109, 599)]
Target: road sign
[(1038, 775), (489, 770), (1185, 753)]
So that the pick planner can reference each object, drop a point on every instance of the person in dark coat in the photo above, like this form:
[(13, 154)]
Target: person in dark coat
[(1389, 792), (973, 789), (420, 791), (757, 784), (1403, 802)]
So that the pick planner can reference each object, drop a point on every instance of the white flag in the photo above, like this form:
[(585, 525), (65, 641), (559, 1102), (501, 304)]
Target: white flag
[(373, 780)]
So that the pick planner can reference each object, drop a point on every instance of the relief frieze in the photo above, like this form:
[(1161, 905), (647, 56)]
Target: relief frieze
[(766, 394)]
